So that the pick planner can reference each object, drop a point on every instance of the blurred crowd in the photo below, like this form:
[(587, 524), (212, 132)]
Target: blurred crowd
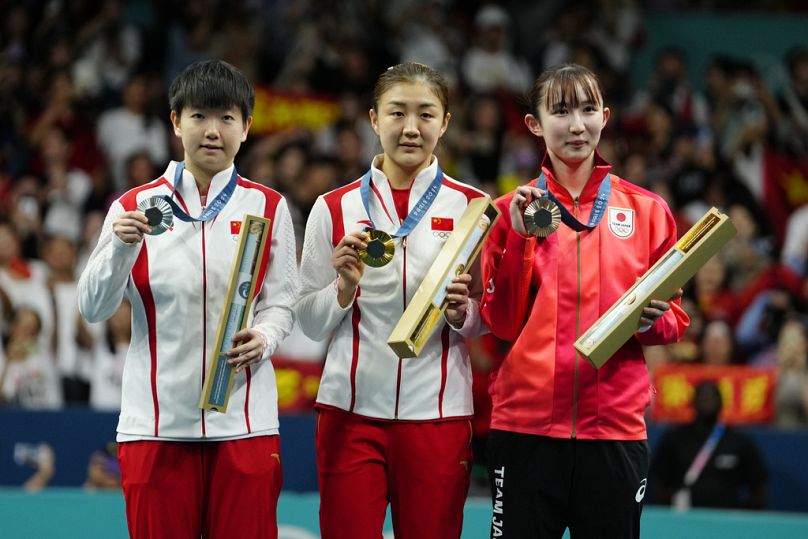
[(84, 117)]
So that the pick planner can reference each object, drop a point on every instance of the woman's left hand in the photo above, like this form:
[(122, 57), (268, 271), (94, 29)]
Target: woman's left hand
[(457, 296), (655, 310), (248, 349)]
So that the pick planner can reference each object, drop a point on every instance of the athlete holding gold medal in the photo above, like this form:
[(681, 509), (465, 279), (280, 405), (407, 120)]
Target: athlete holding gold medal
[(391, 430)]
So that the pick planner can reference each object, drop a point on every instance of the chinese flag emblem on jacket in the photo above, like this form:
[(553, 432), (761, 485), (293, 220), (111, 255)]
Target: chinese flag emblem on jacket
[(443, 224)]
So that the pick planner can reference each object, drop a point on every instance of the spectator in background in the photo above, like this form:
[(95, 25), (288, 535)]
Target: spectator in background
[(109, 356), (131, 128), (71, 342), (481, 142), (109, 49), (24, 281), (791, 395), (707, 463), (669, 84), (62, 109), (41, 458), (66, 188), (489, 65), (758, 329), (717, 344), (28, 377), (795, 245), (103, 470), (688, 349), (709, 289), (792, 129)]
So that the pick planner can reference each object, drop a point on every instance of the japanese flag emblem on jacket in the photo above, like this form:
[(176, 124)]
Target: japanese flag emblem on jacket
[(621, 221)]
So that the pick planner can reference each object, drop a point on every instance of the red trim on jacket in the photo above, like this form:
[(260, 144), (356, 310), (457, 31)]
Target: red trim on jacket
[(204, 321), (356, 317), (381, 200), (333, 201), (444, 357), (140, 276), (470, 193)]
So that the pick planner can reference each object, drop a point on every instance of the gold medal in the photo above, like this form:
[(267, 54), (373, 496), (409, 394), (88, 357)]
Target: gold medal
[(159, 214), (542, 217), (380, 249)]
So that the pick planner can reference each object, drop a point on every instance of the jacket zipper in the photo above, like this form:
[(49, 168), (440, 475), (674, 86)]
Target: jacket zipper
[(404, 307), (204, 321), (577, 324)]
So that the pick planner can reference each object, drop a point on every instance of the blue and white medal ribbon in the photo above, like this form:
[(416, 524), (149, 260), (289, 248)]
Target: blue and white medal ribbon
[(418, 211), (598, 208), (211, 210)]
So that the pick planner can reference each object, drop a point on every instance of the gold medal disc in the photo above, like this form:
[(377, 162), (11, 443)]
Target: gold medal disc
[(380, 249), (159, 214), (542, 217)]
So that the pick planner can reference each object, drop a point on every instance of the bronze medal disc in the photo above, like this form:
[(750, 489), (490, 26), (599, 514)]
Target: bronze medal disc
[(542, 217)]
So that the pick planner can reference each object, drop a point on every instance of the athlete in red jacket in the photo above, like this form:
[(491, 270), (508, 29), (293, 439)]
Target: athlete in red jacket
[(568, 442)]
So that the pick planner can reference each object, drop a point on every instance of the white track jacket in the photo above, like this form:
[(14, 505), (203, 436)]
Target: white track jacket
[(362, 374), (177, 282)]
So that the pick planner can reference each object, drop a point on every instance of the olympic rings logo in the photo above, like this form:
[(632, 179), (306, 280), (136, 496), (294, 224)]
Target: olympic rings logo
[(442, 234)]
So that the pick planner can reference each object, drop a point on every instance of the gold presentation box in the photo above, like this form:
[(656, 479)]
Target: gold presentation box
[(670, 273), (243, 280), (429, 302)]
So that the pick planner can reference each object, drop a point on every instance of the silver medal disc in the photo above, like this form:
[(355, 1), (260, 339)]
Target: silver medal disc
[(159, 214)]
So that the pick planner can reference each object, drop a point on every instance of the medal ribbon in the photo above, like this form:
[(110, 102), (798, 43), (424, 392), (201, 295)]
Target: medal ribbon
[(211, 210), (418, 211), (598, 208)]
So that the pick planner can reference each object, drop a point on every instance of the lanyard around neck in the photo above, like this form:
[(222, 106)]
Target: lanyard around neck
[(211, 210), (418, 211), (598, 209)]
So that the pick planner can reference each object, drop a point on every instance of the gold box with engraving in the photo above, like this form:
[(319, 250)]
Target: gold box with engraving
[(661, 281), (243, 280), (423, 313)]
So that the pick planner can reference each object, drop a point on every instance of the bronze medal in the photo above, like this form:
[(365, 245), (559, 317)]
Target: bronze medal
[(542, 217)]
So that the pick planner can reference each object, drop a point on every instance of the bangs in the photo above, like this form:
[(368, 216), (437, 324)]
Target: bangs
[(211, 96), (212, 84), (563, 89)]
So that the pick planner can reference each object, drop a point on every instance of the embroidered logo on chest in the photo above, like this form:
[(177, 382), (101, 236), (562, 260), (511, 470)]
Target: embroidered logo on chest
[(621, 221), (235, 229), (442, 227)]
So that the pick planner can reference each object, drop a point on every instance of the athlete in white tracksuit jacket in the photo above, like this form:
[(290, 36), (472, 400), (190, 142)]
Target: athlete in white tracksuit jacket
[(188, 472), (391, 430)]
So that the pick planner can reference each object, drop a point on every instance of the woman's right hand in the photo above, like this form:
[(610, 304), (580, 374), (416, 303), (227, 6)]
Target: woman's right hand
[(522, 197), (346, 262), (130, 226)]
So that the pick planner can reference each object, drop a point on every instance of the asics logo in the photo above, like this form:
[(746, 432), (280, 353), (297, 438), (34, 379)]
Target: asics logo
[(641, 491)]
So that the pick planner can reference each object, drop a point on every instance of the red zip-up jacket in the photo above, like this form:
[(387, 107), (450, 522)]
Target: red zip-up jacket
[(541, 294)]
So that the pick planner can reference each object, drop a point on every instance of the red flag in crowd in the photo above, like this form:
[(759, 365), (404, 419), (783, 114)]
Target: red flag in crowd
[(785, 187)]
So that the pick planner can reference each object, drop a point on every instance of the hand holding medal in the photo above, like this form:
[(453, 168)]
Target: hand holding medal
[(380, 248), (532, 214), (542, 217), (349, 266), (152, 216), (158, 213)]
